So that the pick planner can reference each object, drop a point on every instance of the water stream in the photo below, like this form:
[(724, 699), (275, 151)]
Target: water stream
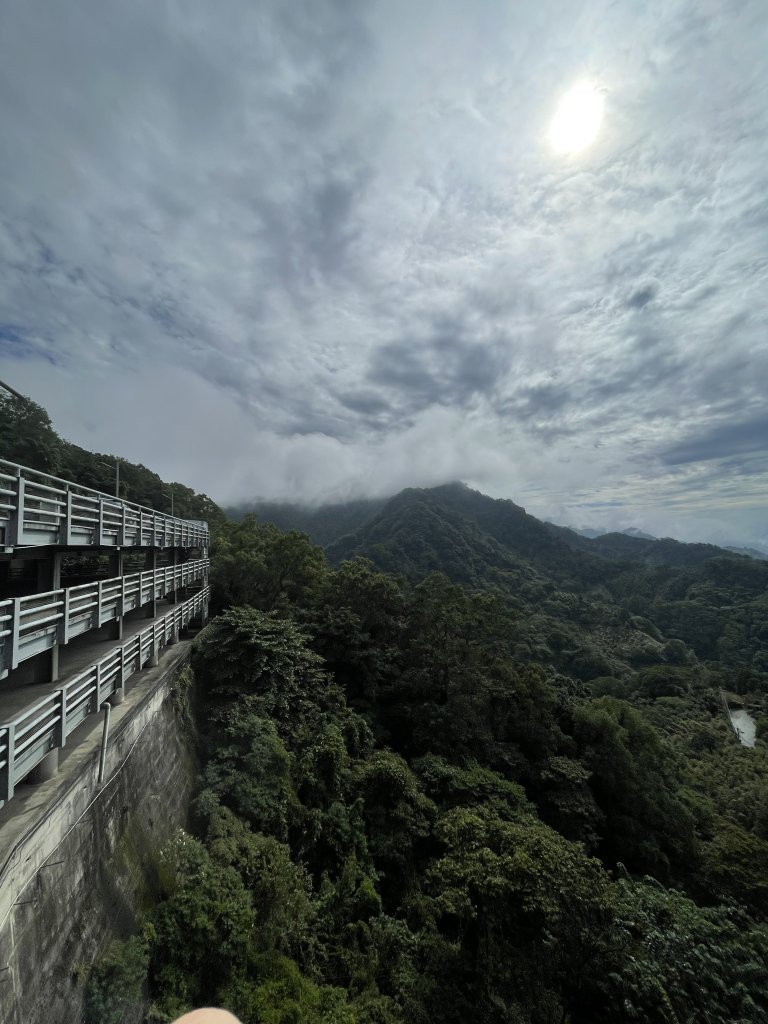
[(745, 726)]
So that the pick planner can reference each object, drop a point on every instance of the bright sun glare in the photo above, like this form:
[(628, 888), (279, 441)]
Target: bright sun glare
[(577, 120)]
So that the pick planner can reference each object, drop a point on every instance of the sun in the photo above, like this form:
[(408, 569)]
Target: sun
[(577, 120)]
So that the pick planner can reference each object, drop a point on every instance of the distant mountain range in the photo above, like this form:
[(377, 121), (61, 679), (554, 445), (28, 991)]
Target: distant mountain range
[(413, 530), (595, 606), (631, 531)]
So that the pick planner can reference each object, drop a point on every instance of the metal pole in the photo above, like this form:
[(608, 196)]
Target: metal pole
[(104, 736), (117, 477), (169, 494)]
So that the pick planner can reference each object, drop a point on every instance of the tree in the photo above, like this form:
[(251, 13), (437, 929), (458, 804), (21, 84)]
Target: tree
[(26, 435), (633, 779)]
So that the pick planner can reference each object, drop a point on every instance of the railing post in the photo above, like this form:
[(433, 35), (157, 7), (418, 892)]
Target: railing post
[(16, 523), (60, 733), (15, 630), (68, 525), (101, 522), (7, 773), (64, 623), (99, 598), (97, 697)]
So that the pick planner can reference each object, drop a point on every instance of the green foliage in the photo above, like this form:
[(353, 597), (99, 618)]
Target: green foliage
[(420, 802), (258, 565), (27, 437), (250, 771), (116, 982), (646, 823), (676, 963)]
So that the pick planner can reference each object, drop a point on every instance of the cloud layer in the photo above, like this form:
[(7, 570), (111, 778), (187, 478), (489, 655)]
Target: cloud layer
[(321, 249)]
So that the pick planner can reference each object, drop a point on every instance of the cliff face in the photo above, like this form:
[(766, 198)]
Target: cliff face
[(79, 859)]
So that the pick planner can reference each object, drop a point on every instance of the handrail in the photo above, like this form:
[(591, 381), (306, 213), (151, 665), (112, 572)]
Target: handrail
[(45, 726), (37, 512), (29, 625)]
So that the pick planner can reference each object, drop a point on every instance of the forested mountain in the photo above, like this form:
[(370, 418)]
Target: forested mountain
[(462, 768), (355, 527), (713, 600)]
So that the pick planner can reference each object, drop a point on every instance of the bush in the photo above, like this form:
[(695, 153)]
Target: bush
[(116, 982)]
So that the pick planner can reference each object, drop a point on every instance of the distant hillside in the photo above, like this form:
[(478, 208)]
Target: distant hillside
[(757, 553), (634, 548), (471, 537), (631, 531), (324, 524)]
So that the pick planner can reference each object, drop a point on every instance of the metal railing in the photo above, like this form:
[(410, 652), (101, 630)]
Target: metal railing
[(29, 625), (37, 509), (45, 726)]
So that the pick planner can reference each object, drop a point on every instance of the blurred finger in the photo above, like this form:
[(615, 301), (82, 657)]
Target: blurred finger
[(207, 1016)]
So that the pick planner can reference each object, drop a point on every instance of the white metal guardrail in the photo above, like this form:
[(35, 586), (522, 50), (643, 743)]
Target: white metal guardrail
[(45, 726), (38, 509), (29, 625)]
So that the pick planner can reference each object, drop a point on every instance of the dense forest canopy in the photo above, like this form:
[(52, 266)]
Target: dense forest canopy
[(510, 798), (456, 767)]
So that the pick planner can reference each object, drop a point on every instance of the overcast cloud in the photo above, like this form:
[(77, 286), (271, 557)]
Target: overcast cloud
[(322, 249)]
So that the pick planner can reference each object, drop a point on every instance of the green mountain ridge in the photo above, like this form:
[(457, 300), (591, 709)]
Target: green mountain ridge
[(710, 599)]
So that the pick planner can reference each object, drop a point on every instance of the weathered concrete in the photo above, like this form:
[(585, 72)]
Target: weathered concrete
[(78, 860)]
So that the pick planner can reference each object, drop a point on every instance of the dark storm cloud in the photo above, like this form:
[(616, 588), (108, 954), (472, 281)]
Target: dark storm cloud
[(369, 403), (642, 297), (725, 440)]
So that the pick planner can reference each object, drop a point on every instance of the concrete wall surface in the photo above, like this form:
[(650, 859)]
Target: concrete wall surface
[(78, 860)]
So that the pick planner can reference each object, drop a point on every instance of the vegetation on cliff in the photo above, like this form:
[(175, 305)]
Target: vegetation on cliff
[(408, 810)]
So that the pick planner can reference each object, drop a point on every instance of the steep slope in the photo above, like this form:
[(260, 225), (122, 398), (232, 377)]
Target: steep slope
[(467, 535)]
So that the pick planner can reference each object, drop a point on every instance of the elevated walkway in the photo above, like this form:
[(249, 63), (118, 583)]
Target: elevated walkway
[(37, 725), (39, 622), (37, 509), (67, 647)]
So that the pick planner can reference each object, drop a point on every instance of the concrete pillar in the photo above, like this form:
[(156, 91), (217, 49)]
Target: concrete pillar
[(54, 663), (49, 572), (47, 768), (154, 658), (173, 596), (150, 563), (115, 629), (48, 578), (115, 562)]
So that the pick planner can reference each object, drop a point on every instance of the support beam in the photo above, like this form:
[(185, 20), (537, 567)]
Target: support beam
[(48, 578), (116, 566), (49, 572), (150, 562)]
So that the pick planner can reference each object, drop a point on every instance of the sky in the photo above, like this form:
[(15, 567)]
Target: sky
[(321, 249)]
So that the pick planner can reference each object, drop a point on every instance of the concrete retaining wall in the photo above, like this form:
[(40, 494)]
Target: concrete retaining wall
[(81, 863)]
